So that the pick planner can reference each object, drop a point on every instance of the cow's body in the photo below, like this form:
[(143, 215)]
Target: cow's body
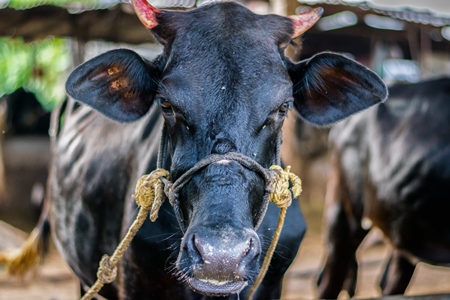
[(391, 164), (223, 86)]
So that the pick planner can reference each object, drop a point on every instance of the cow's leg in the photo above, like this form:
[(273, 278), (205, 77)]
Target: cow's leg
[(344, 234), (397, 274), (341, 268), (352, 275)]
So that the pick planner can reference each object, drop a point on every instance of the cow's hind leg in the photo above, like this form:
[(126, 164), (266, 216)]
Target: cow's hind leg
[(344, 234), (397, 274), (341, 267)]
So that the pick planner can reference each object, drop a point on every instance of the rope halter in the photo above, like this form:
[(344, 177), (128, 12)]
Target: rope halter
[(152, 188)]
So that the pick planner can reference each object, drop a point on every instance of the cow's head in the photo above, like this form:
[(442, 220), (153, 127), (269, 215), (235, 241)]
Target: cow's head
[(224, 85)]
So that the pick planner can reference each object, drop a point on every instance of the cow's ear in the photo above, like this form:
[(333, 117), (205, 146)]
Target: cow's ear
[(329, 87), (118, 83)]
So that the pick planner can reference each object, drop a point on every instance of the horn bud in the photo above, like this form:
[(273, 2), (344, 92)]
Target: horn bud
[(146, 13), (305, 20)]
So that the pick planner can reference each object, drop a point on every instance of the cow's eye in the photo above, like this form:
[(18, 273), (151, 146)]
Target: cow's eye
[(165, 104), (284, 108)]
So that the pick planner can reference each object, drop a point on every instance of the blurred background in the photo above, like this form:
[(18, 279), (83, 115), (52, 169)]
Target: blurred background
[(41, 41)]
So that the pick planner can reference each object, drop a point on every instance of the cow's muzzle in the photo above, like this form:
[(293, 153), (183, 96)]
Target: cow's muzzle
[(220, 269)]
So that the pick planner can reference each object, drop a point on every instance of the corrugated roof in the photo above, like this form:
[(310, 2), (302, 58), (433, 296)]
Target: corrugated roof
[(83, 5), (108, 20), (406, 13)]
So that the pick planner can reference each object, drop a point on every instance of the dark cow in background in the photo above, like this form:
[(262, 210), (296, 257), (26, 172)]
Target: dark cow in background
[(222, 85), (391, 165)]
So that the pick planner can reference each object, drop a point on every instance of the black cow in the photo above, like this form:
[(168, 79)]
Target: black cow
[(391, 165), (222, 85)]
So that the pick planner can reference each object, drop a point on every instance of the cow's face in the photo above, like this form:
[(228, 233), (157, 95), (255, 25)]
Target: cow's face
[(223, 85)]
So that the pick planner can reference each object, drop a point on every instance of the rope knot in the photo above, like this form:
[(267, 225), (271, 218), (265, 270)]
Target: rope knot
[(106, 272), (149, 192), (281, 194)]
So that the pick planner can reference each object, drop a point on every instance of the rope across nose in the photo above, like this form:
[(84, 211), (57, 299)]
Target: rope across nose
[(152, 188), (172, 190)]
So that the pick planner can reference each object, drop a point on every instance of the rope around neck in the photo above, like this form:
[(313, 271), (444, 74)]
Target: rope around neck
[(149, 197)]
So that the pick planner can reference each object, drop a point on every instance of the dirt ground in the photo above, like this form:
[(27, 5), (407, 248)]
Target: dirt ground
[(55, 281)]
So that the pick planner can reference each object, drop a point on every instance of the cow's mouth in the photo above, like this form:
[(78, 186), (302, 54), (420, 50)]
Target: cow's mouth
[(212, 287)]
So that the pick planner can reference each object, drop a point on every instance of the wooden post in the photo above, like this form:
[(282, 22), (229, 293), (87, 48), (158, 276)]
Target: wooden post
[(78, 53), (414, 44), (3, 116), (425, 53), (278, 7)]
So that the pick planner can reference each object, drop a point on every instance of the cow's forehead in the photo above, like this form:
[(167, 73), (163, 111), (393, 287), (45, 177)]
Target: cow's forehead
[(224, 46), (226, 29), (229, 16)]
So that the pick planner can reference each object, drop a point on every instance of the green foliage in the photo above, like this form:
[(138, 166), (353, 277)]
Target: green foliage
[(15, 65), (22, 4), (40, 68)]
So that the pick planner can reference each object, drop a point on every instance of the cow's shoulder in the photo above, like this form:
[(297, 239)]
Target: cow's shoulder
[(409, 138), (416, 115), (403, 91), (95, 152)]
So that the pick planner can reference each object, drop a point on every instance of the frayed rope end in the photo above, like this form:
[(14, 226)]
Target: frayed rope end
[(21, 261)]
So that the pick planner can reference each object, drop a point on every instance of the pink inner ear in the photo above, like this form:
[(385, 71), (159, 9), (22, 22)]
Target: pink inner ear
[(146, 13), (304, 21)]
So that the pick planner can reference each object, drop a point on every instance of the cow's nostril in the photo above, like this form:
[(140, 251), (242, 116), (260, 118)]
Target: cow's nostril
[(193, 251), (250, 256), (203, 251)]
